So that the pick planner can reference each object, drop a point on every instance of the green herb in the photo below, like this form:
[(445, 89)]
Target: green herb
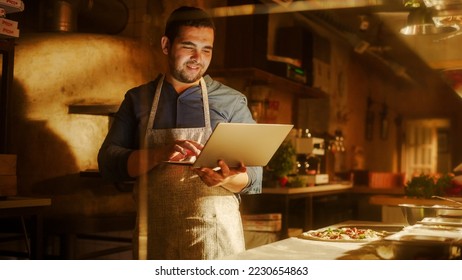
[(425, 186), (283, 162), (412, 3), (296, 182)]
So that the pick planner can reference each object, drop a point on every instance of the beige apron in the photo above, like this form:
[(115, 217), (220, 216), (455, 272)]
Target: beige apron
[(179, 217)]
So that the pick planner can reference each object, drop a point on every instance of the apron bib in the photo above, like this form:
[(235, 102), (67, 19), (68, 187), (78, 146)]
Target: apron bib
[(180, 217)]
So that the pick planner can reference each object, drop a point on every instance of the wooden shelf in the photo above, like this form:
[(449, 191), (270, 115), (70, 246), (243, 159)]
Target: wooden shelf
[(91, 173), (94, 109), (21, 202), (369, 190), (395, 201), (258, 76), (306, 190)]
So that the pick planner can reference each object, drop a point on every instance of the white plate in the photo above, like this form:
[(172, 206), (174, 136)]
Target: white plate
[(423, 237), (442, 221), (433, 228)]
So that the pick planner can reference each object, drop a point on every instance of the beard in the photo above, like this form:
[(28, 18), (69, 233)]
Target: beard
[(181, 74)]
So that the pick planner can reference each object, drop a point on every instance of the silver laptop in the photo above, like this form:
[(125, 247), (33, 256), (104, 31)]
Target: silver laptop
[(250, 143)]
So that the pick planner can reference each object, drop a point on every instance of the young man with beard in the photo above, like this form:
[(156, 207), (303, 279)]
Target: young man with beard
[(183, 212)]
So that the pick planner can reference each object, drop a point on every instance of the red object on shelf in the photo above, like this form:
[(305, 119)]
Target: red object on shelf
[(283, 181), (456, 189)]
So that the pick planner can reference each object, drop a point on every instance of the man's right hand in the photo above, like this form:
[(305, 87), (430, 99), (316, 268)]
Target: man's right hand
[(142, 161), (185, 150)]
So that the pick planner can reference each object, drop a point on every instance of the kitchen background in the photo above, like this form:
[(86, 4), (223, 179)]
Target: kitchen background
[(74, 62)]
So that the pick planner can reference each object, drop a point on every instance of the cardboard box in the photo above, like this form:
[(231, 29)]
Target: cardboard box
[(8, 23), (8, 179), (266, 216), (9, 32), (384, 180), (262, 225), (12, 6), (270, 222)]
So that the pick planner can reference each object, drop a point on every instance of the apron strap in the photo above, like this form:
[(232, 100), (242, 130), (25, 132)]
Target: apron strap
[(155, 103), (142, 238), (205, 98)]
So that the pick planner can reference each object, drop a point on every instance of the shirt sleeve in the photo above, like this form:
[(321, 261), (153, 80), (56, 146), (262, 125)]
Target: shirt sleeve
[(255, 180), (116, 148), (124, 135)]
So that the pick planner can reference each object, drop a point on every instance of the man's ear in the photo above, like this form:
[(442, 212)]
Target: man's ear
[(165, 44)]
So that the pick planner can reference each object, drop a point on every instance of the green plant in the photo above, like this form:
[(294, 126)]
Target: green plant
[(282, 162), (425, 186), (412, 3), (296, 182)]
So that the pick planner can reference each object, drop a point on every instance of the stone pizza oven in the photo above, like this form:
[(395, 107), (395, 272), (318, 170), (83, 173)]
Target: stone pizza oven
[(66, 86)]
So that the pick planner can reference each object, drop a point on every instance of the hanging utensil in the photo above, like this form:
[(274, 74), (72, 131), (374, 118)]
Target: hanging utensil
[(448, 199)]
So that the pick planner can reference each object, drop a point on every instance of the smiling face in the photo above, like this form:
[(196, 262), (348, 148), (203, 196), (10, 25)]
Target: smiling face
[(189, 55)]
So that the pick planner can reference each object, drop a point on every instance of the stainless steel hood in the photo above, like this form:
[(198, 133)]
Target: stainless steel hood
[(378, 23), (439, 51), (373, 28)]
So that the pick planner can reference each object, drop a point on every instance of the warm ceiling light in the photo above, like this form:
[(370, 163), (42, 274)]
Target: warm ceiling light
[(420, 22)]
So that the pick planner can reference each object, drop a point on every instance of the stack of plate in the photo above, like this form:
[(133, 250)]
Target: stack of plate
[(433, 238)]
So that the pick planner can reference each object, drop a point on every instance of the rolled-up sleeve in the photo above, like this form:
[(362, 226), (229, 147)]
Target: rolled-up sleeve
[(229, 105), (255, 181)]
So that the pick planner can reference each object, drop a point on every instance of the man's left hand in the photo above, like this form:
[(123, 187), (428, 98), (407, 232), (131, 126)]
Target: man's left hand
[(223, 175)]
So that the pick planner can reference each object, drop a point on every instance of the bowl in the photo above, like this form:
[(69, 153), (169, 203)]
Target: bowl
[(415, 213)]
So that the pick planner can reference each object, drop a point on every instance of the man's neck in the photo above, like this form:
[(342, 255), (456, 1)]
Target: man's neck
[(180, 87)]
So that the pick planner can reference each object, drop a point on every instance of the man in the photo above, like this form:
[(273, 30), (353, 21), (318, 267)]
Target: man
[(183, 213)]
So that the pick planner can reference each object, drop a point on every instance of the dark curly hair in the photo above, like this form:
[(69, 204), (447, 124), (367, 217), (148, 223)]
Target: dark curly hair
[(187, 16)]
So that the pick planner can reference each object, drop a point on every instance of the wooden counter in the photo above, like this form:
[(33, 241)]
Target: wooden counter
[(374, 191), (336, 187), (308, 190), (22, 207), (280, 200), (391, 212), (395, 201), (295, 248)]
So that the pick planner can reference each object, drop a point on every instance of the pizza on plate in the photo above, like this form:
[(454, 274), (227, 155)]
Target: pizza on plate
[(343, 234)]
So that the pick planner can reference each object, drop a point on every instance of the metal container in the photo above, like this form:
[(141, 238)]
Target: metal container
[(425, 241), (415, 213), (422, 247)]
